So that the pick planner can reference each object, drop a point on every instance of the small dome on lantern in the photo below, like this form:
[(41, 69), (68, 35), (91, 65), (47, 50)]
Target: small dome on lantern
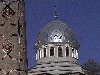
[(56, 32)]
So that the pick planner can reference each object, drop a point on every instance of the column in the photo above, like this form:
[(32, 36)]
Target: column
[(70, 51), (77, 54), (38, 54), (42, 53), (64, 51), (36, 57), (47, 51), (56, 51)]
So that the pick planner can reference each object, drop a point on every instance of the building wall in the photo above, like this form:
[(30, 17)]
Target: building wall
[(13, 56), (56, 65), (71, 56)]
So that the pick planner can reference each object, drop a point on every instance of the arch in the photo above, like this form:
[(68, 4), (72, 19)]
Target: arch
[(72, 52), (39, 54), (44, 52), (67, 51), (59, 51), (51, 51)]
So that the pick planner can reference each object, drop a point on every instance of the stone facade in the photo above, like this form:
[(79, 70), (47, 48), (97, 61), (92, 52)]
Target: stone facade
[(13, 53)]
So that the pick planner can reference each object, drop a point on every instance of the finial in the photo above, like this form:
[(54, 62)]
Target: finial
[(55, 14)]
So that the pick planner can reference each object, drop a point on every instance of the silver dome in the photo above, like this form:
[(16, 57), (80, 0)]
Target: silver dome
[(56, 32)]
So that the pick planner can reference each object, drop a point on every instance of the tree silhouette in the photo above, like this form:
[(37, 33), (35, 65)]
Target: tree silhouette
[(91, 67)]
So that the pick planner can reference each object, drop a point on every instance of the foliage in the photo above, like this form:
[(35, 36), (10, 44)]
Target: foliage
[(91, 67)]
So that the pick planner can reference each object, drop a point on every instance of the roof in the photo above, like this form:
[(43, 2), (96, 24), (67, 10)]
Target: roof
[(56, 32)]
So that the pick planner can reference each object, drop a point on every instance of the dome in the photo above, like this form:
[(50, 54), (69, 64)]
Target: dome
[(56, 32)]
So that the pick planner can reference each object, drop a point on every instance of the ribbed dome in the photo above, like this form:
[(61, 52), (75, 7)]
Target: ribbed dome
[(56, 32)]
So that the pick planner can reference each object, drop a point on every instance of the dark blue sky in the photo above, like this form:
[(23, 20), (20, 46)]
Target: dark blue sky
[(83, 16)]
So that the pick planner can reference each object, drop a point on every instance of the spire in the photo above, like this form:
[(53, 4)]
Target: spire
[(55, 14)]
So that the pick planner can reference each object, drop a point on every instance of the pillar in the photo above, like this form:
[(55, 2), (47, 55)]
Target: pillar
[(47, 52), (37, 54), (70, 51), (64, 51), (56, 51), (42, 53)]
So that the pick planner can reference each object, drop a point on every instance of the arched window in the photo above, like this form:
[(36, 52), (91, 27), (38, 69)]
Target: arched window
[(39, 54), (59, 51), (44, 52), (67, 51), (72, 52), (51, 51)]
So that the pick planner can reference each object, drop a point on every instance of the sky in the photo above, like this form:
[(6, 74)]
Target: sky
[(83, 16)]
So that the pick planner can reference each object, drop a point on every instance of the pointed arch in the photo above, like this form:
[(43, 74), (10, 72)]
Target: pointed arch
[(67, 51), (44, 52), (51, 51), (59, 51)]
